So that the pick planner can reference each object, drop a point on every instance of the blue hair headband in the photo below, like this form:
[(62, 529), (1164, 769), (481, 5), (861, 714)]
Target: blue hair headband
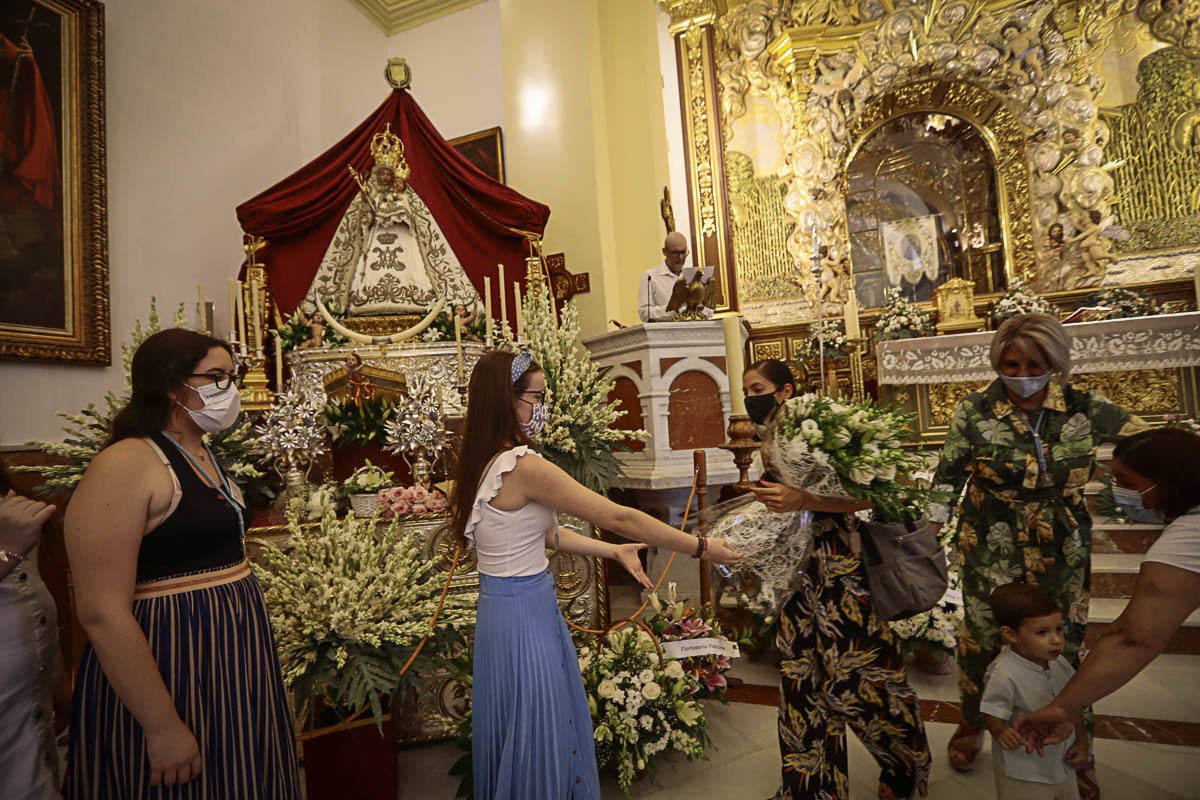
[(520, 363)]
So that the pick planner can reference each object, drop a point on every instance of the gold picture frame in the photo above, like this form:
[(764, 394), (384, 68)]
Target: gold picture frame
[(54, 298), (484, 149)]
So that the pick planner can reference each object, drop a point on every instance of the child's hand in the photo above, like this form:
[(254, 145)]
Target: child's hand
[(1077, 755), (1009, 739)]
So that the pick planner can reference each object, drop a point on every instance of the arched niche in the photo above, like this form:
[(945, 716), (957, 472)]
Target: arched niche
[(625, 393), (695, 416), (982, 117)]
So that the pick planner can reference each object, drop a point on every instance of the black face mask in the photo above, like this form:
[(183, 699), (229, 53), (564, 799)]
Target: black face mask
[(759, 407)]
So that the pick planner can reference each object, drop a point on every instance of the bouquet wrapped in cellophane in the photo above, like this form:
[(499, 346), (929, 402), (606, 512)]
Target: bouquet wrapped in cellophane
[(836, 451)]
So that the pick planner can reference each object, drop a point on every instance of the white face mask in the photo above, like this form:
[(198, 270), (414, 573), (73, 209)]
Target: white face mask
[(221, 407), (537, 420), (1026, 387)]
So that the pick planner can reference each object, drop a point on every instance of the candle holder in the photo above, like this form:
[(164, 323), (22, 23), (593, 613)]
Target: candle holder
[(741, 443), (256, 391)]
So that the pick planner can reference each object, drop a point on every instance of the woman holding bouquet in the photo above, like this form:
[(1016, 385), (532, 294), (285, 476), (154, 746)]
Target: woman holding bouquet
[(531, 727), (1023, 449), (840, 663)]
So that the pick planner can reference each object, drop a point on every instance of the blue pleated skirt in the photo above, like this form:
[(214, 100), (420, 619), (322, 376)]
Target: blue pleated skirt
[(216, 655), (531, 728)]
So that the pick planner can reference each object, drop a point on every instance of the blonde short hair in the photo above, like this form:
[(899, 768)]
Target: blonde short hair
[(1035, 334)]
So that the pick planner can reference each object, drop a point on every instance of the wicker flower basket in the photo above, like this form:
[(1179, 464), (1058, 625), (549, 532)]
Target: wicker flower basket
[(364, 505)]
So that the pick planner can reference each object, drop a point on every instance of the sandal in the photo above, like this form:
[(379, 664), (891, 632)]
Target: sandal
[(964, 747), (1089, 786)]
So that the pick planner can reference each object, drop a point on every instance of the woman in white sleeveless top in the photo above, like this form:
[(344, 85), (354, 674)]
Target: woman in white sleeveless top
[(532, 731)]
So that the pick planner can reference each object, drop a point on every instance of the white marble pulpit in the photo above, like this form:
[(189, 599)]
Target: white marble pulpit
[(670, 377)]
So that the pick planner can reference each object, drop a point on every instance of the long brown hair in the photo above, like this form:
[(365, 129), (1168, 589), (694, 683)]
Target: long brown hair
[(491, 426), (159, 366)]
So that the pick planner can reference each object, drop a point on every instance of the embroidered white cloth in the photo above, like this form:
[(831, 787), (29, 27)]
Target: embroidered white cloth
[(1161, 342)]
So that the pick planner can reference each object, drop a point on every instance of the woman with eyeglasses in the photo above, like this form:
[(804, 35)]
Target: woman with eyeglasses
[(179, 685), (532, 730)]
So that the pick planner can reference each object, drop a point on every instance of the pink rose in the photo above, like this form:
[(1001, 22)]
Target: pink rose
[(418, 494), (401, 507), (438, 502), (419, 508)]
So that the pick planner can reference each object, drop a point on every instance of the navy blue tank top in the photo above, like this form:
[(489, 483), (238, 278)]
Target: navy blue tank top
[(203, 533)]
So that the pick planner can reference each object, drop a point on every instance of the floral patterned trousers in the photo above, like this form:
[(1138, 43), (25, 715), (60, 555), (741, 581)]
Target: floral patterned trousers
[(841, 666)]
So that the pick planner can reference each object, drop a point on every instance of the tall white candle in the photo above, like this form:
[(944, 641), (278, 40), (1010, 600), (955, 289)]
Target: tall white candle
[(735, 363), (1196, 278), (241, 316), (203, 311), (232, 312), (462, 373), (520, 312), (851, 313), (487, 309), (500, 291), (278, 365)]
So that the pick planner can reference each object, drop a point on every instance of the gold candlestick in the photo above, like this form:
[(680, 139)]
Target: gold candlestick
[(741, 443), (858, 389)]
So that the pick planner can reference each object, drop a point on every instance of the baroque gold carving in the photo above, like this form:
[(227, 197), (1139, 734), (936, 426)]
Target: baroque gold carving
[(1173, 22), (945, 397), (763, 350), (1143, 391), (697, 95)]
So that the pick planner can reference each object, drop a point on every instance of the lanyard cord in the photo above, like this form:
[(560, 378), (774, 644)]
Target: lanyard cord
[(1037, 440), (221, 486)]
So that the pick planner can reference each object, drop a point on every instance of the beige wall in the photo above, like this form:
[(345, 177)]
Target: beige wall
[(211, 102)]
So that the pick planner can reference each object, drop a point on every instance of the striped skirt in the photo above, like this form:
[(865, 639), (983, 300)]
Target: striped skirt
[(531, 728), (216, 655)]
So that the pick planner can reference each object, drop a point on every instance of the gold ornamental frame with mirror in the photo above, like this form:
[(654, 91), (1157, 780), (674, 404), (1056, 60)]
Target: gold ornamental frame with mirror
[(1002, 134), (54, 263)]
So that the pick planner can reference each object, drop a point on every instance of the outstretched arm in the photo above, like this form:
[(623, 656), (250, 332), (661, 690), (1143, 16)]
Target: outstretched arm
[(537, 479), (569, 541)]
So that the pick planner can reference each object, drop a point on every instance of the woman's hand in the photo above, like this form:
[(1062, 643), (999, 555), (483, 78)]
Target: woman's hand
[(174, 755), (21, 521), (1077, 755), (1046, 726), (627, 556), (778, 497), (721, 553)]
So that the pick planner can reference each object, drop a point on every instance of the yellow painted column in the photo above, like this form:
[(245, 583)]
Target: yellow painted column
[(584, 133)]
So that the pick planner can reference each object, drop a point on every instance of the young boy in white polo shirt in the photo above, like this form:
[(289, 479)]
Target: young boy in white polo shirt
[(1026, 676)]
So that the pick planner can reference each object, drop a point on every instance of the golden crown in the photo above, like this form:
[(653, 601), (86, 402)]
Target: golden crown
[(388, 151)]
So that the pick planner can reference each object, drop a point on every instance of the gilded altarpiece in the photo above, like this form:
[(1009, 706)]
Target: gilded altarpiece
[(1086, 195)]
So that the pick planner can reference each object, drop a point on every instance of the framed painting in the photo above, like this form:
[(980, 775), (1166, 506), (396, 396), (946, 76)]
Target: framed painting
[(54, 302), (485, 150)]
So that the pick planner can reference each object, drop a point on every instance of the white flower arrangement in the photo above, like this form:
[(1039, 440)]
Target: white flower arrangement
[(368, 479), (580, 434), (349, 601), (640, 706), (1123, 303), (834, 450), (901, 319), (836, 344), (86, 432), (1019, 299)]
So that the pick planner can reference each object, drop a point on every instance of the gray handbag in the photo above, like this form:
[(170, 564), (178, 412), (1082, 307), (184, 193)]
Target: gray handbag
[(906, 567)]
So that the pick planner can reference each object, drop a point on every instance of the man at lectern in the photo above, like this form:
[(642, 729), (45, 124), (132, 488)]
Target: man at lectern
[(659, 282)]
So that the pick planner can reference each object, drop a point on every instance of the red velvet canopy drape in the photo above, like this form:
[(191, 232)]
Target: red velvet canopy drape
[(485, 222)]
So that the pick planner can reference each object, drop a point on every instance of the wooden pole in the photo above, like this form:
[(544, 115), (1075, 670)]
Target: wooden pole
[(701, 469)]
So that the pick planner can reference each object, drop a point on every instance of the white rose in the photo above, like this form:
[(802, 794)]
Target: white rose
[(809, 426), (887, 473), (646, 675), (651, 691), (862, 475), (606, 688), (674, 670)]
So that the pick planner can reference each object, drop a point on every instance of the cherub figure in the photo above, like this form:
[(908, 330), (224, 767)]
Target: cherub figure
[(1095, 246), (1022, 48), (837, 86), (361, 383)]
